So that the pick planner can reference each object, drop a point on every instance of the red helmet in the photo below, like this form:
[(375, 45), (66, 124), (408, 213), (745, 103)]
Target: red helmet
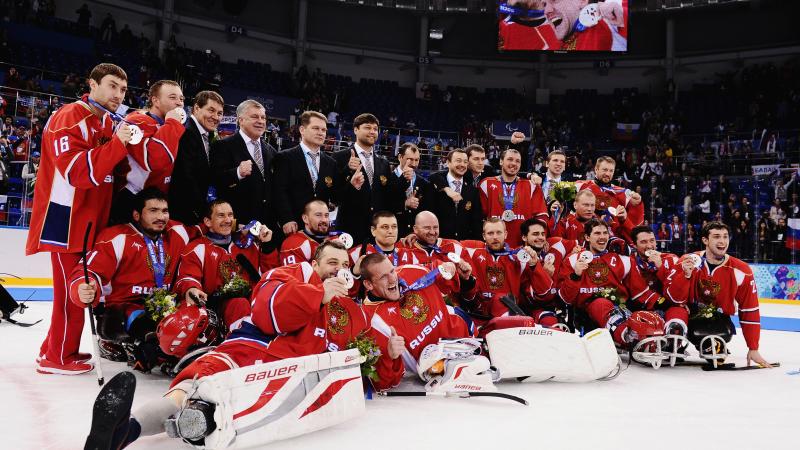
[(645, 324), (187, 326), (499, 323)]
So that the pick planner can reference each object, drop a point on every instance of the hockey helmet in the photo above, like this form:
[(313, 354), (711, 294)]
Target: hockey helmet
[(184, 328)]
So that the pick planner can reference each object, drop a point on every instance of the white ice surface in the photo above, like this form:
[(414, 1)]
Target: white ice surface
[(671, 408)]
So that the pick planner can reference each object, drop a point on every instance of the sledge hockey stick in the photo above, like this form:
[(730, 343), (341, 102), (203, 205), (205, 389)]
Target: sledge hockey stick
[(513, 308), (248, 267), (459, 394), (710, 368), (95, 339), (20, 310)]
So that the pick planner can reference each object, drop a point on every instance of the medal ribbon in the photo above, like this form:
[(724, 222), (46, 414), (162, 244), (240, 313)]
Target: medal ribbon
[(508, 194), (159, 265), (421, 283)]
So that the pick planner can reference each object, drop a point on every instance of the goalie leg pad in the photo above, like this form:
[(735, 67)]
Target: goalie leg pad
[(264, 403), (538, 354)]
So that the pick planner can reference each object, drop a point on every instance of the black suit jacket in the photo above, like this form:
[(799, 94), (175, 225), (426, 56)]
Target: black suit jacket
[(191, 177), (406, 216), (250, 197), (293, 188), (488, 171), (356, 206), (462, 221)]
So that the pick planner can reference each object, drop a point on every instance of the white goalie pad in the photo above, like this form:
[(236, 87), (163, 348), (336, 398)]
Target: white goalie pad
[(540, 354), (260, 404), (453, 365)]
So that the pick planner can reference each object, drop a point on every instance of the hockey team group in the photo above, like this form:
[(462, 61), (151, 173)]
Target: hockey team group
[(270, 331)]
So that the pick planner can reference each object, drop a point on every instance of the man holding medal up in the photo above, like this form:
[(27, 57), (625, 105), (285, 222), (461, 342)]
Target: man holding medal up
[(511, 198), (81, 145)]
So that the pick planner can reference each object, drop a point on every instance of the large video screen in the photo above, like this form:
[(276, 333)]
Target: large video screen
[(562, 25)]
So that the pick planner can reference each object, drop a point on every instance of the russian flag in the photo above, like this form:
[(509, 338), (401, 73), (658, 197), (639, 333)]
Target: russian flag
[(626, 131), (793, 234)]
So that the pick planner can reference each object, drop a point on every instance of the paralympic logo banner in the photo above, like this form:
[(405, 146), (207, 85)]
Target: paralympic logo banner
[(502, 129), (777, 281)]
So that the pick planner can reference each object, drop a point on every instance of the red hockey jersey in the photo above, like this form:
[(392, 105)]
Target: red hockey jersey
[(728, 286), (150, 162), (288, 315), (421, 317), (75, 180), (208, 266), (658, 278), (527, 201), (572, 228), (298, 247), (122, 267), (516, 36), (608, 270), (613, 196)]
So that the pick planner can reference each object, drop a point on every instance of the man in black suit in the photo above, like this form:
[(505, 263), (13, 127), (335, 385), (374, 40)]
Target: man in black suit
[(303, 173), (556, 164), (242, 169), (416, 193), (456, 203), (191, 177), (366, 184), (478, 170)]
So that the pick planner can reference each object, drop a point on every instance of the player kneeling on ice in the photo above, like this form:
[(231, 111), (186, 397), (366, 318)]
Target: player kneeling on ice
[(713, 284), (600, 283), (410, 319), (131, 267), (228, 395)]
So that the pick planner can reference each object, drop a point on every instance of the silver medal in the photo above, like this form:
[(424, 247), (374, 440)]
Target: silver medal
[(346, 240), (136, 134), (346, 276), (550, 258), (523, 256), (454, 257), (508, 215), (590, 15), (586, 256), (255, 230), (182, 113), (446, 271), (696, 259)]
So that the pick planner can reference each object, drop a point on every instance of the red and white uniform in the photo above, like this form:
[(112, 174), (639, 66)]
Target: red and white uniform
[(608, 270), (658, 279), (603, 36), (121, 266), (430, 258), (527, 201), (74, 187), (288, 320), (728, 286), (421, 317), (208, 266), (298, 247), (514, 35), (499, 274), (150, 162), (572, 228), (613, 196), (542, 302)]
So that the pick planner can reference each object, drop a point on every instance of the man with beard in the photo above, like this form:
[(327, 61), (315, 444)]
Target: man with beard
[(511, 199), (303, 173), (715, 279), (150, 162), (608, 195), (406, 312), (384, 230), (551, 253), (417, 189), (525, 27), (298, 310), (366, 181), (127, 264), (501, 270), (584, 25), (456, 202), (301, 246), (571, 226), (73, 189), (215, 259)]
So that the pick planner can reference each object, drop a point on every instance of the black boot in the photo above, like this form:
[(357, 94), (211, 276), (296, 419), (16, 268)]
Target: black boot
[(111, 415)]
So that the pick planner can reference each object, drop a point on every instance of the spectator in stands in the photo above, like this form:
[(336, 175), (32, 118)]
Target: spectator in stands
[(746, 210), (676, 234), (108, 29), (776, 212), (780, 253), (4, 176), (190, 189), (13, 79), (84, 17), (29, 171), (743, 239), (781, 189), (664, 237), (793, 210)]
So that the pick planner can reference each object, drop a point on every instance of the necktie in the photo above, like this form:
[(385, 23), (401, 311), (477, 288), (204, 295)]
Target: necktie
[(457, 184), (257, 156), (315, 162), (206, 144), (368, 166)]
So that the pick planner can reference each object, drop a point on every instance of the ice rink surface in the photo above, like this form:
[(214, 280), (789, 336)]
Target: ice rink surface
[(669, 408)]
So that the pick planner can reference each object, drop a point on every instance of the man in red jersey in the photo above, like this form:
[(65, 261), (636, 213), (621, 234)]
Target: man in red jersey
[(525, 27), (511, 198), (81, 144), (151, 160), (298, 310), (720, 281), (570, 227), (301, 245), (585, 25), (608, 195)]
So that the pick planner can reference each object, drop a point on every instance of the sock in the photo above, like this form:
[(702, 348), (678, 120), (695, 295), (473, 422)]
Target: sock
[(152, 415)]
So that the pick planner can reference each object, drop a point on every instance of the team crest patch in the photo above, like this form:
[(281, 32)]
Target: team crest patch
[(598, 272), (228, 269), (338, 318), (708, 290), (102, 140), (603, 201), (413, 308), (496, 277), (328, 181), (384, 180)]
